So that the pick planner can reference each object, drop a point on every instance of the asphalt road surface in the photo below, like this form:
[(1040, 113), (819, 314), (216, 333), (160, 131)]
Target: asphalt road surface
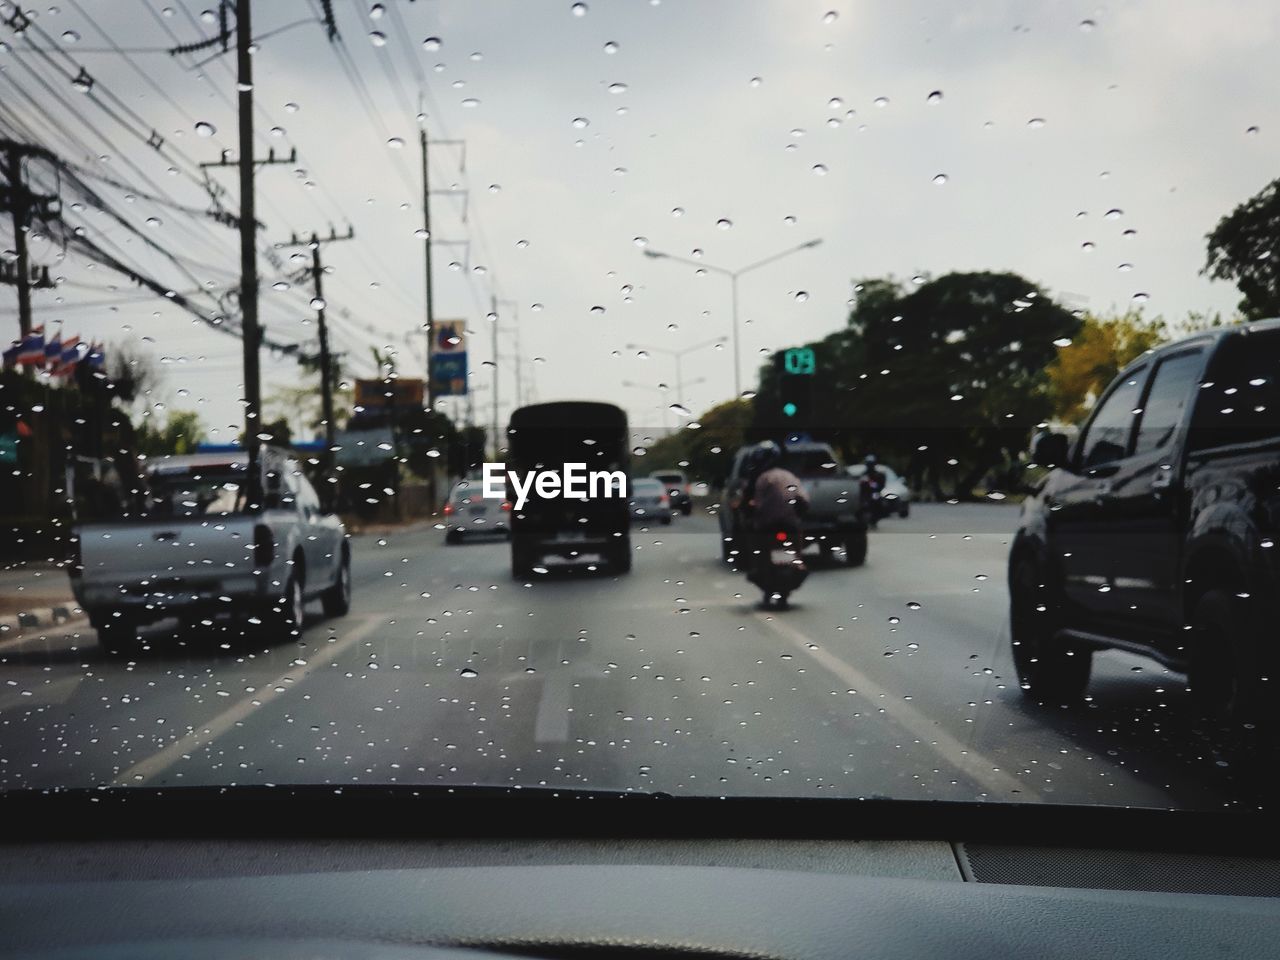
[(893, 679)]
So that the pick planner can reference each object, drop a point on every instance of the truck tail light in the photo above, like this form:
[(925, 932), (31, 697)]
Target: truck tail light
[(506, 505), (264, 546), (448, 510)]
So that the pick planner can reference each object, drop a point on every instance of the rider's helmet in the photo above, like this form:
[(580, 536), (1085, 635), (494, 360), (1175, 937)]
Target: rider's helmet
[(870, 460), (768, 454)]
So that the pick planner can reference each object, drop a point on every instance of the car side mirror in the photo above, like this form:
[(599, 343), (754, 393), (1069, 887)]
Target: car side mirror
[(1050, 449)]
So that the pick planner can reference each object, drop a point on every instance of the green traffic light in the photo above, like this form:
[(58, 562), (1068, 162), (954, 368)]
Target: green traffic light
[(789, 409)]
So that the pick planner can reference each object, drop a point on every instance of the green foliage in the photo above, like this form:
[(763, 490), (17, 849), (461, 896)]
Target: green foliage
[(1245, 248), (708, 449), (182, 433), (945, 381), (1104, 346)]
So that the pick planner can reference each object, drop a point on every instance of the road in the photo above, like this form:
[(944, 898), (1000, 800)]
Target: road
[(893, 679)]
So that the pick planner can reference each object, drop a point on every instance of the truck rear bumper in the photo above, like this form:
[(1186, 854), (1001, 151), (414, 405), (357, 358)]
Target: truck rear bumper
[(158, 599)]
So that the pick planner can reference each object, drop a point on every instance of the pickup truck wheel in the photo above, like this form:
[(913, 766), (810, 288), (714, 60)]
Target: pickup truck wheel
[(855, 548), (1050, 670), (904, 511), (286, 611), (686, 508), (337, 599), (453, 537), (1226, 672), (117, 636)]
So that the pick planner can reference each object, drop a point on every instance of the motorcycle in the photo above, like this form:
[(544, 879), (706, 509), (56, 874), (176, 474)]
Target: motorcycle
[(871, 489), (777, 567)]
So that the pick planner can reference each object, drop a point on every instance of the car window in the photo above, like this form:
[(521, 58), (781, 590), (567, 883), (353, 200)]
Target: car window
[(811, 463), (1107, 437), (1173, 388), (1240, 399)]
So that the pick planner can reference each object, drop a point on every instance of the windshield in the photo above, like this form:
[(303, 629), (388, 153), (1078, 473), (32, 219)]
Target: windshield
[(488, 260)]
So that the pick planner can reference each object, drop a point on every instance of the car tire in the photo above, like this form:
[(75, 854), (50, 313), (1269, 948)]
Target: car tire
[(686, 508), (521, 558), (1226, 669), (666, 520), (453, 537), (285, 613), (904, 511), (855, 548), (1050, 670), (117, 636), (336, 601)]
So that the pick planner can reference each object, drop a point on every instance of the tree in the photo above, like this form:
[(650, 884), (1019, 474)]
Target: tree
[(131, 373), (182, 433), (948, 379), (1245, 248), (1104, 346), (705, 450)]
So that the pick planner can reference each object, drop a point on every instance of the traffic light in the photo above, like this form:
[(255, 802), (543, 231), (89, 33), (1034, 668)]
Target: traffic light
[(796, 368)]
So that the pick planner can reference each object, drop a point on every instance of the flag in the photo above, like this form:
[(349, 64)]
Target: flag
[(53, 351), (11, 354), (31, 349), (68, 358), (94, 357)]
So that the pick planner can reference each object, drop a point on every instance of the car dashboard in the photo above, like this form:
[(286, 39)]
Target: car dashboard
[(619, 882)]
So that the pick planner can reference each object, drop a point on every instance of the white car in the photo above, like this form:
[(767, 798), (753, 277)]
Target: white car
[(468, 513), (649, 500), (896, 495)]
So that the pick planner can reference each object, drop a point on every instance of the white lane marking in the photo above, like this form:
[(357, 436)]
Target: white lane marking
[(552, 722), (41, 694), (287, 682), (972, 763)]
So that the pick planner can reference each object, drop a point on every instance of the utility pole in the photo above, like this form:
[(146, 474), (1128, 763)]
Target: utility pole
[(497, 445), (250, 331), (519, 357), (429, 242), (431, 315), (326, 358), (21, 202), (250, 328)]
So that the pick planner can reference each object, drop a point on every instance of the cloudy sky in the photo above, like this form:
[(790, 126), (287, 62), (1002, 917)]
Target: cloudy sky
[(733, 127)]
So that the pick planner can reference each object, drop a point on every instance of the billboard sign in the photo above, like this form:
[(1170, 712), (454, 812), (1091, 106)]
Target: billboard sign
[(449, 359)]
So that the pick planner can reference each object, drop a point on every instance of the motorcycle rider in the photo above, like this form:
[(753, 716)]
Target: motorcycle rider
[(872, 484), (775, 501)]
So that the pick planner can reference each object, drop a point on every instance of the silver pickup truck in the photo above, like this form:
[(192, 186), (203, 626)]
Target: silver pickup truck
[(188, 548), (834, 519)]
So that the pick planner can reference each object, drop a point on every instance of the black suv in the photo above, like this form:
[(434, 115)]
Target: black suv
[(1155, 530)]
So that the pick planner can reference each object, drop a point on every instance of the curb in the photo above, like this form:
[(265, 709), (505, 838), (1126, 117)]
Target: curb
[(12, 624)]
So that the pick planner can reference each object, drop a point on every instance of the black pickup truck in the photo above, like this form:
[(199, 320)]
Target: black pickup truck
[(1155, 530)]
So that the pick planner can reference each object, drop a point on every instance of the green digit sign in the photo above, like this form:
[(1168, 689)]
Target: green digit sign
[(799, 360)]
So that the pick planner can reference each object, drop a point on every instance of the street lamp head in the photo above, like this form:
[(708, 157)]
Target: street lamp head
[(810, 244), (653, 254)]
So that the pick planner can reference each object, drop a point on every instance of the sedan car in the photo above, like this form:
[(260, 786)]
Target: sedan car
[(896, 496), (649, 500), (468, 513), (678, 489)]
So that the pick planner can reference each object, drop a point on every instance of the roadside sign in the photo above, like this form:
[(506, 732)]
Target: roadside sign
[(449, 359), (398, 394)]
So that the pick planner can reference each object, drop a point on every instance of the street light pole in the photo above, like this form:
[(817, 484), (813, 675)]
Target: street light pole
[(733, 276), (678, 356)]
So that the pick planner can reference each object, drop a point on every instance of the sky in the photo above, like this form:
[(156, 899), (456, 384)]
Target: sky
[(1086, 147)]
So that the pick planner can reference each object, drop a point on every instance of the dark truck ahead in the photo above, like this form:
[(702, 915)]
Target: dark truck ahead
[(1155, 530), (834, 518)]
